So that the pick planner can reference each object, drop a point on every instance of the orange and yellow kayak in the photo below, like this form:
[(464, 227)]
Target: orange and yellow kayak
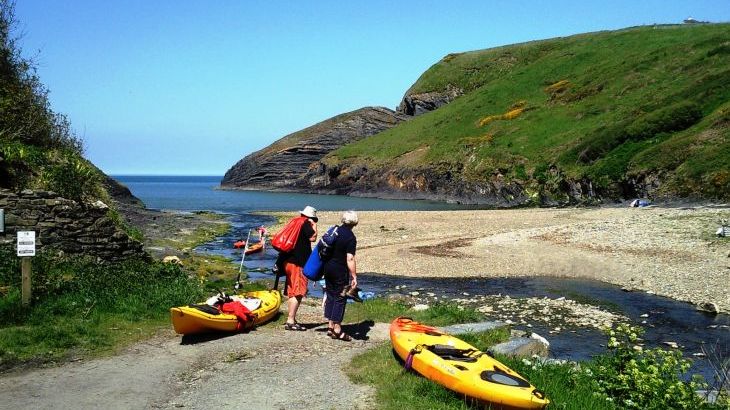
[(459, 366), (202, 318), (253, 248)]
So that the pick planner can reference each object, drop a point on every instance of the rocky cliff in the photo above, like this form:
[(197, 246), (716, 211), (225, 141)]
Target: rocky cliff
[(283, 164), (417, 103)]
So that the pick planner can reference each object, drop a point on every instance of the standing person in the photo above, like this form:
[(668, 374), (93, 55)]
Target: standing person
[(296, 282), (340, 275)]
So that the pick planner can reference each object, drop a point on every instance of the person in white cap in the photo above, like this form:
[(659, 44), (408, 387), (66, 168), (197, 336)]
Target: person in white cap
[(293, 263)]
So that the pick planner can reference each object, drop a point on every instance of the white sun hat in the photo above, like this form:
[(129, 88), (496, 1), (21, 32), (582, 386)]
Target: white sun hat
[(309, 212)]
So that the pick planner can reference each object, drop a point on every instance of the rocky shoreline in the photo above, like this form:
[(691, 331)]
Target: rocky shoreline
[(173, 233)]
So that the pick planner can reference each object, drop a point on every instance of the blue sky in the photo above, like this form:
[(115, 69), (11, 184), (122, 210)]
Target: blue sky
[(190, 87)]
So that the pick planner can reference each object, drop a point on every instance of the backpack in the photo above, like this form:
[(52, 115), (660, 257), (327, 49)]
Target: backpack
[(286, 238), (327, 243)]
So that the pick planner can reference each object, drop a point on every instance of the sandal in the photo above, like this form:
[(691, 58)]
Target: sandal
[(341, 336), (294, 326), (330, 332), (351, 293)]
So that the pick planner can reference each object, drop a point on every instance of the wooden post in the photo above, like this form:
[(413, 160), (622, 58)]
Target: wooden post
[(25, 267)]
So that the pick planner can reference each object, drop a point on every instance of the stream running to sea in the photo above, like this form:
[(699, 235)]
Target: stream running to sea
[(665, 319)]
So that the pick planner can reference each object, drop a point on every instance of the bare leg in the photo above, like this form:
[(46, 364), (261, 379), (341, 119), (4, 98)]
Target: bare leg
[(293, 307)]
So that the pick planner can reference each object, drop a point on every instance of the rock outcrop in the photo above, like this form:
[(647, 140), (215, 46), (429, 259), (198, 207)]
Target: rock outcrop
[(283, 164), (120, 193), (438, 183), (417, 104)]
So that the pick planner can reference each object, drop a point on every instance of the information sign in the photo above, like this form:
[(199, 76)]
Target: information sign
[(26, 243)]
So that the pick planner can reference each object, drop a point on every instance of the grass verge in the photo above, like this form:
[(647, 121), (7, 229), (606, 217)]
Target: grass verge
[(397, 388), (626, 377), (81, 307), (383, 310)]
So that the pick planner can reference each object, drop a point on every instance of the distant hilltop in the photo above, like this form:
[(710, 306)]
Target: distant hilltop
[(606, 116), (690, 20)]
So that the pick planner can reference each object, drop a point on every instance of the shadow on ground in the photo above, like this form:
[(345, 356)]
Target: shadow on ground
[(359, 331)]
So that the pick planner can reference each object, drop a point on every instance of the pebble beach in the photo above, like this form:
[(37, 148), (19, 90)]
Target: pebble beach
[(669, 251)]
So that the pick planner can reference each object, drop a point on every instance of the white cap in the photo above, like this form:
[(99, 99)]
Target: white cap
[(309, 212)]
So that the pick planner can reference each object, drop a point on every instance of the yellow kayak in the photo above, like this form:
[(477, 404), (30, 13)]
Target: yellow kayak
[(461, 367), (202, 318)]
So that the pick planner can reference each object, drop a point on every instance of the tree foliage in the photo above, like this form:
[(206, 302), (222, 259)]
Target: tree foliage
[(38, 148)]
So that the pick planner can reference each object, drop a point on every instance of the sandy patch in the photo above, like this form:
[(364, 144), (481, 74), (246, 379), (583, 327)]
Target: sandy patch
[(668, 251)]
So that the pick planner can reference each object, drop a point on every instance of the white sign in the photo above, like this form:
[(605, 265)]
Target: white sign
[(26, 243)]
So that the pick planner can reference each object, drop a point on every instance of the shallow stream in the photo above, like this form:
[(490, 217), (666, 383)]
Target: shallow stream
[(665, 320)]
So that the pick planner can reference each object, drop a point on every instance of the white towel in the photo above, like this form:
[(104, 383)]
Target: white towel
[(250, 303)]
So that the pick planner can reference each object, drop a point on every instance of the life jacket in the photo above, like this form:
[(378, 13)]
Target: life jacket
[(245, 317)]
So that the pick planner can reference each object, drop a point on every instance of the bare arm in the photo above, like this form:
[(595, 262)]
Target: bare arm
[(352, 267), (314, 227)]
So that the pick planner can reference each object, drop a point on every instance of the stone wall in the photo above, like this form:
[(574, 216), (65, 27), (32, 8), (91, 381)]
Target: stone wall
[(65, 226)]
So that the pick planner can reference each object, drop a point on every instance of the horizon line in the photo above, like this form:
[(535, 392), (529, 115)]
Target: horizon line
[(162, 175)]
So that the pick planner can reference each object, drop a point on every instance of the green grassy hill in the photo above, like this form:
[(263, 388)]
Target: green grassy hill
[(640, 111)]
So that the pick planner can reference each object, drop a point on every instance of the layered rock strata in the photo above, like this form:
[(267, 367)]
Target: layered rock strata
[(283, 164), (421, 103)]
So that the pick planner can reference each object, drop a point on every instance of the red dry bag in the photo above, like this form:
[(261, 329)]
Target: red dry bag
[(286, 238)]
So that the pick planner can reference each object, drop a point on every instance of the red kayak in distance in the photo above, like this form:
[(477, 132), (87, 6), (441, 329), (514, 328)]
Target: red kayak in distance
[(256, 247)]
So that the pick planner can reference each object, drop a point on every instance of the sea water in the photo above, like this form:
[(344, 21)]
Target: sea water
[(192, 193)]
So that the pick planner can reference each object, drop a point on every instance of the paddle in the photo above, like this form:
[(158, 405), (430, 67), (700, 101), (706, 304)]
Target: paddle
[(243, 256), (276, 278)]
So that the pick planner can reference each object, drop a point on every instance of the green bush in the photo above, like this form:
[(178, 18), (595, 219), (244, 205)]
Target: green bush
[(562, 382), (9, 311), (661, 122), (74, 178), (26, 118), (598, 144), (635, 378), (671, 118)]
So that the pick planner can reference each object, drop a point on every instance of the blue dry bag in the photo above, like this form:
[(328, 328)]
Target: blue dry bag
[(314, 268)]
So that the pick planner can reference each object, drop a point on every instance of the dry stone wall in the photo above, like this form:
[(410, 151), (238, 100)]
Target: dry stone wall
[(65, 226)]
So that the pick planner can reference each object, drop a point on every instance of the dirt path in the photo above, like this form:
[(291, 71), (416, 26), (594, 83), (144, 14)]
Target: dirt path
[(268, 368)]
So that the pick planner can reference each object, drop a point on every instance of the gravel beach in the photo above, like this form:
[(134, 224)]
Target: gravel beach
[(670, 251)]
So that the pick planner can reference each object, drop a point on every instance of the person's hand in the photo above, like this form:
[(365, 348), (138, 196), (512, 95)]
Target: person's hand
[(353, 282)]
